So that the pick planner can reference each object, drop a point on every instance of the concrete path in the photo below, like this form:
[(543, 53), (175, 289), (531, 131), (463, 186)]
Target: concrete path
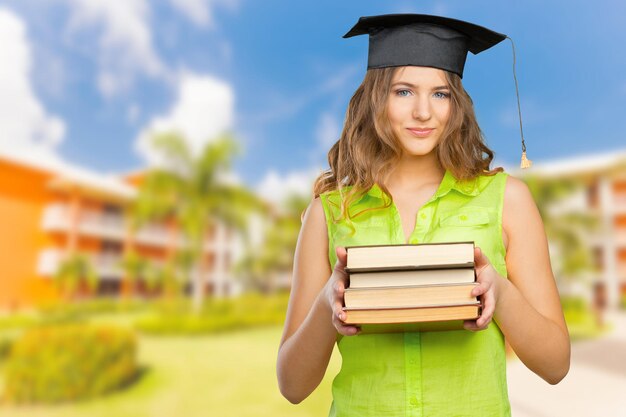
[(594, 387)]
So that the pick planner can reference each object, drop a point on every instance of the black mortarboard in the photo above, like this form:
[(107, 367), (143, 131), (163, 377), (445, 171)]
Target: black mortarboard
[(398, 40), (422, 40)]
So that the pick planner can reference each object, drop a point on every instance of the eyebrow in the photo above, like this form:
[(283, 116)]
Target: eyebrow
[(440, 87)]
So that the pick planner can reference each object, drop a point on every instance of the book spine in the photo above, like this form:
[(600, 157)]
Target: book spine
[(470, 242), (467, 265), (447, 305), (391, 287)]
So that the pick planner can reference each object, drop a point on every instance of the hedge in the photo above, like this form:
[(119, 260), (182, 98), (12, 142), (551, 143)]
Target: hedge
[(218, 315), (69, 362)]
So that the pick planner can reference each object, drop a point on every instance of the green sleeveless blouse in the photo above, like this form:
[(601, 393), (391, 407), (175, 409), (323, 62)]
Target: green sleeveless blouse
[(445, 373)]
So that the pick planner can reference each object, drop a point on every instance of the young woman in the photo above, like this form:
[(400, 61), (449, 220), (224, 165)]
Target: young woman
[(411, 167)]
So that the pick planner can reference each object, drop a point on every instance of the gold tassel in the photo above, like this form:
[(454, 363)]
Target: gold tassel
[(526, 163)]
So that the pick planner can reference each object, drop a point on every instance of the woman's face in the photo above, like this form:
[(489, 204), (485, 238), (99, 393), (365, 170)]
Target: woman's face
[(418, 108)]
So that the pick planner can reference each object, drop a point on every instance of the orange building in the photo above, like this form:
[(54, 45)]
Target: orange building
[(49, 209)]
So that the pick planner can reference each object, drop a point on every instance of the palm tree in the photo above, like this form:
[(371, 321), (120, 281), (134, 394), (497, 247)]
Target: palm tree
[(191, 192), (75, 270), (135, 267), (165, 278)]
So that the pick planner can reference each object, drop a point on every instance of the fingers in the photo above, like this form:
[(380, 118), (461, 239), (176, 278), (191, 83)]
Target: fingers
[(342, 256), (338, 294), (473, 327), (480, 289), (478, 256), (470, 325), (338, 320), (480, 260), (485, 290), (343, 328), (477, 325), (339, 289), (340, 265), (489, 307)]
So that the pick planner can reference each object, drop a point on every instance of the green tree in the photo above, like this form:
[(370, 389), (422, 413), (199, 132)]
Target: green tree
[(190, 191), (135, 267), (73, 272), (166, 277), (567, 231), (262, 266)]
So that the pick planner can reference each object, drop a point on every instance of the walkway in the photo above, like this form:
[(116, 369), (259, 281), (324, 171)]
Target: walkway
[(594, 387)]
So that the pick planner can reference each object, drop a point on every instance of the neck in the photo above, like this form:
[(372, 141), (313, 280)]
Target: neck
[(416, 171)]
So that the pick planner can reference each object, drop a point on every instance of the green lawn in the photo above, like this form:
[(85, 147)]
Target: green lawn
[(231, 374), (224, 375)]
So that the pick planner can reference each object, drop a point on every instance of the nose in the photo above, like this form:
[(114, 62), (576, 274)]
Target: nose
[(421, 108)]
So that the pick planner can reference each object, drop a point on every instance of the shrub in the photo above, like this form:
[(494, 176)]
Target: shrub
[(581, 321), (5, 347), (70, 362), (218, 315), (17, 321), (63, 312), (576, 310)]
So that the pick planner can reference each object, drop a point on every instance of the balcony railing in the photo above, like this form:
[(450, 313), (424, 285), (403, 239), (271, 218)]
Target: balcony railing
[(57, 218), (105, 265), (48, 262), (600, 240)]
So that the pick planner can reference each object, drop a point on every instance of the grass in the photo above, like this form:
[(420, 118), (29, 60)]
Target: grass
[(224, 375), (230, 374), (581, 321), (585, 328)]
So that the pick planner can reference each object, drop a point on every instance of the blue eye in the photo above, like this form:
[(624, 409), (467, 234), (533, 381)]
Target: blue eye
[(403, 93), (440, 94)]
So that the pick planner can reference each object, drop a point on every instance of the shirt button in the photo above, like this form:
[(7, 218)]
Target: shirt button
[(423, 215), (412, 361), (413, 402), (463, 217)]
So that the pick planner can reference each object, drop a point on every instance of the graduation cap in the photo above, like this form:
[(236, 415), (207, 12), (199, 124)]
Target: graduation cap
[(422, 40), (429, 41)]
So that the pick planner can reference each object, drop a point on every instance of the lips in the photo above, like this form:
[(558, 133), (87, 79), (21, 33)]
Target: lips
[(420, 132)]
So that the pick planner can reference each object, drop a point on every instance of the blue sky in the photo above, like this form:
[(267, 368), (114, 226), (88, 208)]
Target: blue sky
[(100, 75)]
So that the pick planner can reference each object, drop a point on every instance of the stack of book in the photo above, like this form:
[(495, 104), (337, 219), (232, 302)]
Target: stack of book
[(411, 287)]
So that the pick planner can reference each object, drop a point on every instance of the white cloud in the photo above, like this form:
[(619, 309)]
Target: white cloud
[(200, 12), (276, 188), (125, 48), (24, 123), (328, 131), (203, 110)]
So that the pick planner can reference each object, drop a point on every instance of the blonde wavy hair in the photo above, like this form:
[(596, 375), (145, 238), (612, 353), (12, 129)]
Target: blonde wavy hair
[(367, 149)]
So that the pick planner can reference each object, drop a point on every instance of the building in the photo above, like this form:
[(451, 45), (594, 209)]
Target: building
[(49, 209), (603, 194)]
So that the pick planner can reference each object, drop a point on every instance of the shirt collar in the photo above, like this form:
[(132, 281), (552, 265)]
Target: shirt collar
[(448, 183)]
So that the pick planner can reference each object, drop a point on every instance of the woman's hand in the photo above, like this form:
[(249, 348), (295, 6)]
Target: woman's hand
[(489, 289), (333, 294)]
